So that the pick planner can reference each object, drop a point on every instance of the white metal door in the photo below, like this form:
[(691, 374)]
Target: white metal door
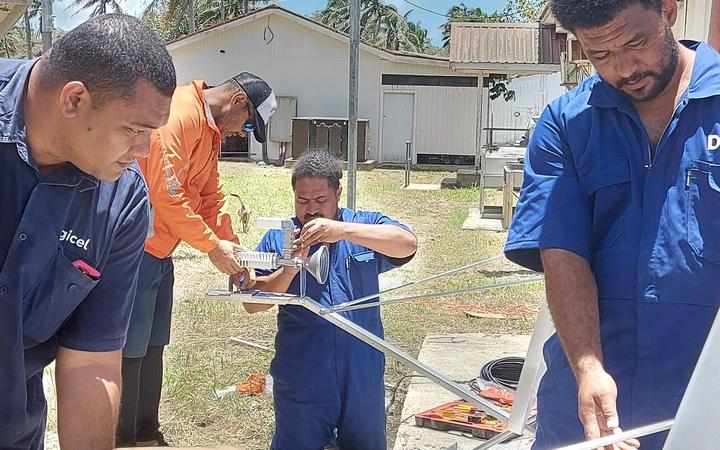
[(397, 125)]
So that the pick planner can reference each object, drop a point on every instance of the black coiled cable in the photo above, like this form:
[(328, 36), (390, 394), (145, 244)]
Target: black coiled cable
[(503, 371)]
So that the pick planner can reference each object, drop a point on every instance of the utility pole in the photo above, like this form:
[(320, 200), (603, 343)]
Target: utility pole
[(191, 15), (353, 102), (28, 36), (46, 24)]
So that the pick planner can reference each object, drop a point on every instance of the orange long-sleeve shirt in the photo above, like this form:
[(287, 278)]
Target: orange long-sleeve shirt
[(182, 177)]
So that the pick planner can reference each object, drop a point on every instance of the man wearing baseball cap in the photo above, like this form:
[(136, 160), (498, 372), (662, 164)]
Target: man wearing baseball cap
[(188, 204)]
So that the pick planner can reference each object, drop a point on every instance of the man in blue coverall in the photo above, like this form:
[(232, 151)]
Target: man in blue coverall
[(328, 385), (620, 209), (73, 224)]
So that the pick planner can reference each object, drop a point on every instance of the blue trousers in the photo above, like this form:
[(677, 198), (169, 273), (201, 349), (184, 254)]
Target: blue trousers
[(152, 309), (328, 389), (650, 350)]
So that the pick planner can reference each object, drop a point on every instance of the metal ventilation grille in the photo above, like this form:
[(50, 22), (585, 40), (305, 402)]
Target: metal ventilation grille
[(235, 146)]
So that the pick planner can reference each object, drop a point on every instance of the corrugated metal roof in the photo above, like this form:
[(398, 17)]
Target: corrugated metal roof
[(481, 42)]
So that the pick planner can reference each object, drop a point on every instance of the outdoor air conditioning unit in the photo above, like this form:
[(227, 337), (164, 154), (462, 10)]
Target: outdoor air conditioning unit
[(328, 133)]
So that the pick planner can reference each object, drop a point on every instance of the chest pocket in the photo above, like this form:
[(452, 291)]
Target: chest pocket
[(607, 184), (50, 301), (362, 267), (702, 183)]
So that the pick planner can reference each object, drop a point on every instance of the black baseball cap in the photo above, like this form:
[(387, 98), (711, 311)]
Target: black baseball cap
[(261, 96)]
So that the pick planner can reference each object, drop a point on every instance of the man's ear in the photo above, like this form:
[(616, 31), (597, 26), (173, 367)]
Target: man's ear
[(238, 97), (74, 97), (670, 8)]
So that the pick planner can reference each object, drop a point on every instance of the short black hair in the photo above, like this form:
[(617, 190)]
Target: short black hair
[(318, 163), (574, 14), (109, 54)]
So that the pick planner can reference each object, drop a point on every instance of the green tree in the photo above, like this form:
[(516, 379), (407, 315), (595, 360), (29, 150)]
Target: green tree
[(524, 10), (172, 19), (381, 25), (418, 38), (97, 7)]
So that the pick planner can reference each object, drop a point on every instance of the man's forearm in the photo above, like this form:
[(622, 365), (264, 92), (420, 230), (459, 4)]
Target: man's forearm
[(573, 302), (88, 397), (390, 240)]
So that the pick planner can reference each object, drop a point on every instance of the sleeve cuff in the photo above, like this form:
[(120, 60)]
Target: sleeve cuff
[(85, 344), (527, 253)]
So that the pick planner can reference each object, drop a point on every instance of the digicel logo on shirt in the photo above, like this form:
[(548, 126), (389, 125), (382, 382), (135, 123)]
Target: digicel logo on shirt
[(713, 142), (68, 236)]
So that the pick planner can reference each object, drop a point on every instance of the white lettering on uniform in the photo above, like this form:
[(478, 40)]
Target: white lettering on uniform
[(68, 236), (713, 142)]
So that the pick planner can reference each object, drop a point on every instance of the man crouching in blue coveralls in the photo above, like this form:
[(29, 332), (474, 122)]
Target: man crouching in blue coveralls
[(621, 208), (328, 385)]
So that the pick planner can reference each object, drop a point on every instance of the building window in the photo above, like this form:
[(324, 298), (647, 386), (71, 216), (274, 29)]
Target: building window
[(429, 80), (235, 145)]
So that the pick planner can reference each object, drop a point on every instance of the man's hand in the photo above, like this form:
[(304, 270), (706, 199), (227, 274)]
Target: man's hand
[(597, 396), (248, 278), (320, 231), (223, 257)]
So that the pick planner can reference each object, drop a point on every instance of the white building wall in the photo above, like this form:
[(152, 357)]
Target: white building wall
[(312, 66), (445, 117), (532, 94), (693, 20)]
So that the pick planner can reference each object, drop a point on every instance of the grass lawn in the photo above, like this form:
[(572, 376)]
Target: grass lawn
[(201, 357)]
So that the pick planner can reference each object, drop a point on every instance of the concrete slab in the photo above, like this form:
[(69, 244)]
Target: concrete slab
[(459, 356), (475, 221), (421, 187)]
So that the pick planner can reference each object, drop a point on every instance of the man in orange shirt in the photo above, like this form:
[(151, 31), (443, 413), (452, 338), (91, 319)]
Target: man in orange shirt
[(187, 200)]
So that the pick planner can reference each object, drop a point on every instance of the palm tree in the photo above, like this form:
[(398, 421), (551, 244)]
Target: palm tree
[(417, 37), (336, 15), (13, 42), (380, 24), (98, 7), (174, 18)]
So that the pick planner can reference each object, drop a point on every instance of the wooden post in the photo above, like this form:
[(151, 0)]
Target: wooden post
[(512, 177)]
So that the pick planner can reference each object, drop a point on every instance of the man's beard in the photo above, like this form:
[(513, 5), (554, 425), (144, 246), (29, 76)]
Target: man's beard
[(662, 78)]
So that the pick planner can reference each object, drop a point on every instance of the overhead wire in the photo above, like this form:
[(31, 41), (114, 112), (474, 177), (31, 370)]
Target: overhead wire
[(510, 15)]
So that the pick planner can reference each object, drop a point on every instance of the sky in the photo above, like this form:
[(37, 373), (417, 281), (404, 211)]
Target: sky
[(66, 18)]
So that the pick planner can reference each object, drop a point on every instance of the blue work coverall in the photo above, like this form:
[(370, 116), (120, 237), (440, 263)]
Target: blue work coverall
[(647, 221), (328, 385), (47, 225)]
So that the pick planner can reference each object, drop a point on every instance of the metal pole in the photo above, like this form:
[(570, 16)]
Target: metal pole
[(615, 438), (372, 340), (191, 15), (408, 161), (341, 308), (413, 283), (390, 350), (28, 35), (353, 101), (46, 20)]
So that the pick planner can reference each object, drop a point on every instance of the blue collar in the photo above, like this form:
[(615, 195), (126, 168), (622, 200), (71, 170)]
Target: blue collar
[(704, 81), (15, 77)]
